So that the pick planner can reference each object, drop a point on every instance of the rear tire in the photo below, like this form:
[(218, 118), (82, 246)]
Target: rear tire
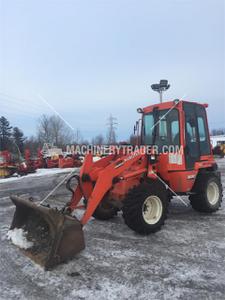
[(208, 195), (145, 207)]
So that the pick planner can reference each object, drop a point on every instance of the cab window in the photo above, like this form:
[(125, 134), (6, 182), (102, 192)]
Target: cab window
[(148, 129), (162, 128), (202, 132)]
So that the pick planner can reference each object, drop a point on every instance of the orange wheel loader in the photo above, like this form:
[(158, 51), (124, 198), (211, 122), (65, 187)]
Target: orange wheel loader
[(140, 183)]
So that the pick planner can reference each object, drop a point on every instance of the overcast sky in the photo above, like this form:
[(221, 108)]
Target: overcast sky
[(92, 58)]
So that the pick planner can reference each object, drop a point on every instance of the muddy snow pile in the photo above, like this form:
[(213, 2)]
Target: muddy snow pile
[(18, 238)]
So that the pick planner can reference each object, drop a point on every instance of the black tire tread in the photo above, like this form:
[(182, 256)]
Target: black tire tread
[(132, 206), (199, 200)]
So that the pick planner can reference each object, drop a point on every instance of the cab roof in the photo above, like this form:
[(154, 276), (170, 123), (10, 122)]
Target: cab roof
[(170, 104)]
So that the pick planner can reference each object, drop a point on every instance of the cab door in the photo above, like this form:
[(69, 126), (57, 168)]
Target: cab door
[(203, 133), (192, 149)]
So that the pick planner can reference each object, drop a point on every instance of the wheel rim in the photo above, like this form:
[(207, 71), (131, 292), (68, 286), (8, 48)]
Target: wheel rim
[(213, 193), (152, 210)]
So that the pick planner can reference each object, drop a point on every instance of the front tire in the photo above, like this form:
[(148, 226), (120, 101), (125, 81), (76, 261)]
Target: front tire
[(208, 195), (145, 207)]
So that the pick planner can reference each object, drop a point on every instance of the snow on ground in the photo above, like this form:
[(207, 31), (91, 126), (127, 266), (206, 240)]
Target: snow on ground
[(18, 238), (39, 172)]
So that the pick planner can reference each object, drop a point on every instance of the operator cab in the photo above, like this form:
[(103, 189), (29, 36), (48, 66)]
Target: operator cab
[(176, 126)]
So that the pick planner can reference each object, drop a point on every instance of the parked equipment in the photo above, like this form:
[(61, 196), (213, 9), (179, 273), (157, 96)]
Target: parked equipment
[(51, 155), (34, 162), (70, 161), (11, 164), (7, 167), (219, 149), (138, 183)]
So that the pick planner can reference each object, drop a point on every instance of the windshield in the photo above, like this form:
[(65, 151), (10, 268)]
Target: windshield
[(161, 127)]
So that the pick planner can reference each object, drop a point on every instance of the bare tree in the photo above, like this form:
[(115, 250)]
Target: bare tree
[(78, 137), (111, 134), (98, 140), (220, 131), (61, 133), (56, 129), (44, 129), (85, 142), (52, 129), (32, 143)]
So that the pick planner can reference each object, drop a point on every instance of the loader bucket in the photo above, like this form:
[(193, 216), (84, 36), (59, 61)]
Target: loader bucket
[(55, 237)]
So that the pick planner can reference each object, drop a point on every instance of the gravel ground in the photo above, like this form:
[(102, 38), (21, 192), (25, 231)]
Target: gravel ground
[(185, 260)]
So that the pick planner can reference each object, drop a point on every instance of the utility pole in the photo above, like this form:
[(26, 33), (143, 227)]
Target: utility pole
[(112, 126)]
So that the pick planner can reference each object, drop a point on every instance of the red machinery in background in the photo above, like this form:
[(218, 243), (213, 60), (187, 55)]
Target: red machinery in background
[(7, 167), (11, 164), (55, 158), (52, 162), (33, 163), (70, 161), (51, 155)]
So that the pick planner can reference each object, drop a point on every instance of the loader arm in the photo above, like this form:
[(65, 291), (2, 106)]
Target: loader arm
[(84, 189), (104, 183)]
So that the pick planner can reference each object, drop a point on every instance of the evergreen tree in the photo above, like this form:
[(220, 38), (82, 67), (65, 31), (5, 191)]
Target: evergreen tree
[(18, 138), (5, 133)]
